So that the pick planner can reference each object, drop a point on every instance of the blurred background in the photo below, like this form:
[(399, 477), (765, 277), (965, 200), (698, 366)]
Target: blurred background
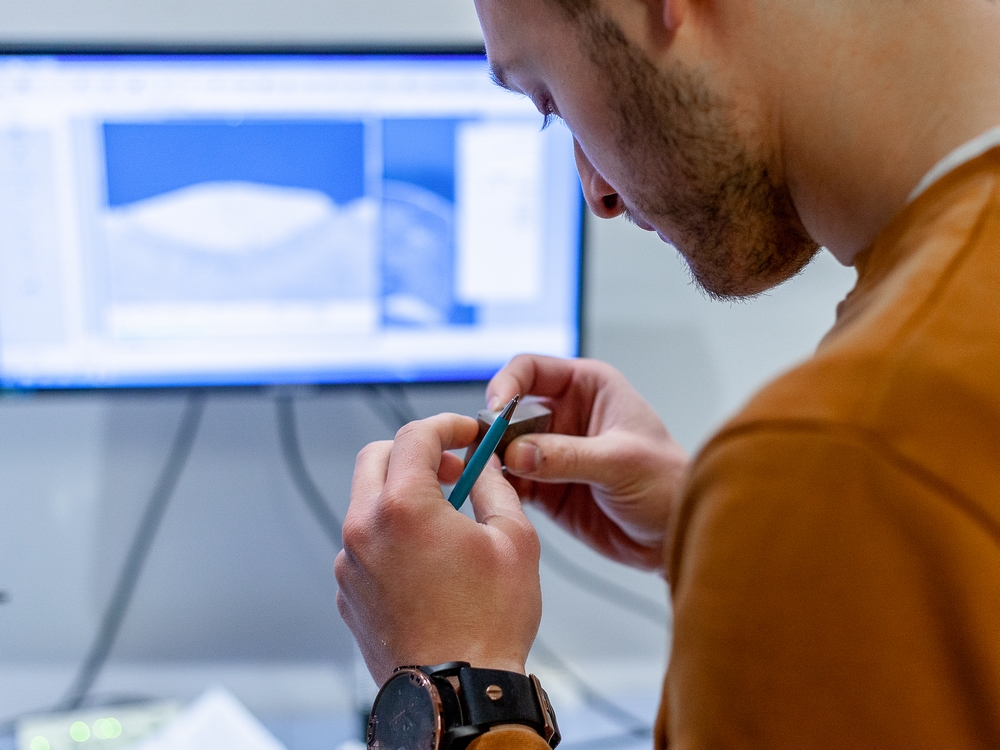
[(238, 589)]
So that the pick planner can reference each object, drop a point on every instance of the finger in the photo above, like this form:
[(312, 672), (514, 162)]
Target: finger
[(370, 469), (530, 374), (451, 468), (597, 460), (419, 446), (495, 503)]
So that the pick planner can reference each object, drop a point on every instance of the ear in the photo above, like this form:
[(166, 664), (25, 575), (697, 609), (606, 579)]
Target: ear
[(664, 19), (673, 13), (651, 23)]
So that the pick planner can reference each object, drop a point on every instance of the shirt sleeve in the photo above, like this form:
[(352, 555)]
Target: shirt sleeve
[(829, 594), (510, 738)]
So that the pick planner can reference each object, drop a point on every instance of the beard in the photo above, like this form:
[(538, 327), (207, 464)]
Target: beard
[(688, 170)]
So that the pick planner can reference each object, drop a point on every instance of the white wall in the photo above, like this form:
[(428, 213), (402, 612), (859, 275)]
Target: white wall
[(697, 360), (240, 573), (286, 21)]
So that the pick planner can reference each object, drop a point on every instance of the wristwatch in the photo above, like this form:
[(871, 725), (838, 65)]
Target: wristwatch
[(447, 706)]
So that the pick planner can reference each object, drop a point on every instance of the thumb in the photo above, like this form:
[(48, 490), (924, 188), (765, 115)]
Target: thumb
[(596, 460)]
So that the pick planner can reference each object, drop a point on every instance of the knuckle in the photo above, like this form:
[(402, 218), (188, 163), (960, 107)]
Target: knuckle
[(355, 534), (521, 366), (340, 566), (602, 370), (408, 429), (371, 450), (523, 541), (393, 509), (342, 606), (528, 543)]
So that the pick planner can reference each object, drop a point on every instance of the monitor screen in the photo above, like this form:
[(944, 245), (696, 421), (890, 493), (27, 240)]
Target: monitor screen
[(253, 219)]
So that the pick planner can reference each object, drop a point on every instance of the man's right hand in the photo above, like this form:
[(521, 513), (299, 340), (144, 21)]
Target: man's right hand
[(608, 470)]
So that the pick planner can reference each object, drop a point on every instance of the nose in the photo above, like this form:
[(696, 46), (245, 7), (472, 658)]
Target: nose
[(600, 196)]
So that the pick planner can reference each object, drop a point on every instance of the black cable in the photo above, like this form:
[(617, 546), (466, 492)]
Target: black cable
[(291, 450), (636, 725), (397, 393), (390, 404), (142, 542), (587, 580)]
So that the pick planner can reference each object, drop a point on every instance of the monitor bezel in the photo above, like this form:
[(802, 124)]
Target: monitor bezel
[(264, 49)]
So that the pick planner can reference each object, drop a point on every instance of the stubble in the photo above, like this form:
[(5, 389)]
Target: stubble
[(690, 170)]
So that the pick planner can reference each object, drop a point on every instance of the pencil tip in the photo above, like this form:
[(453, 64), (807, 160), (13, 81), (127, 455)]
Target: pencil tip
[(509, 408)]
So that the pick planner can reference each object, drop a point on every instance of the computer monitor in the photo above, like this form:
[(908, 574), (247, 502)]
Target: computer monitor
[(252, 218)]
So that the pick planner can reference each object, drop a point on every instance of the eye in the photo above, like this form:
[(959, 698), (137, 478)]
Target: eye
[(548, 111), (550, 118)]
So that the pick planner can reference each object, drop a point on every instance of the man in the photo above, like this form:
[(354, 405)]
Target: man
[(834, 551)]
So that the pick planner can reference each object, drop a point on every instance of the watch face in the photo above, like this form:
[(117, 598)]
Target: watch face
[(406, 714)]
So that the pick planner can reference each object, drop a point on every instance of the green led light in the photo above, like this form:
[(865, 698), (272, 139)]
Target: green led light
[(39, 743), (79, 731), (107, 729)]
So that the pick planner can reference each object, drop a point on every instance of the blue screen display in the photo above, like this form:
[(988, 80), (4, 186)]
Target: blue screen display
[(143, 160), (269, 219)]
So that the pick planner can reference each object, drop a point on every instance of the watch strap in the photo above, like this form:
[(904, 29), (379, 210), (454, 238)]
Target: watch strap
[(493, 697)]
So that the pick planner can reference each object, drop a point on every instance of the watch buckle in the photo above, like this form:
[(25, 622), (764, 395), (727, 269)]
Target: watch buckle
[(552, 735)]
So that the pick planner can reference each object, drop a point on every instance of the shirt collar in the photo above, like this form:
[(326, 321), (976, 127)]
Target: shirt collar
[(966, 152)]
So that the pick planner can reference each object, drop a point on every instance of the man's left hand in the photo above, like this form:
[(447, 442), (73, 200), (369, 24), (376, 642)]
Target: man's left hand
[(421, 583)]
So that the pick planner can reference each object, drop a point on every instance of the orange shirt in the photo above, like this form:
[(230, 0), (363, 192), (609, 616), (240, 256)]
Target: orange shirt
[(836, 560)]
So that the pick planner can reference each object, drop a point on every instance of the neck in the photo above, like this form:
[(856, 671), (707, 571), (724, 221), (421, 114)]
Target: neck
[(876, 95)]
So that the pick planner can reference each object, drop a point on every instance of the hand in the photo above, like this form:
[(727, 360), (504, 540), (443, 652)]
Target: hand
[(608, 470), (421, 583)]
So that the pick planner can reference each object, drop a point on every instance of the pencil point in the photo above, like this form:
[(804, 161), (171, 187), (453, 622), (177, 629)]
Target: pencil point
[(509, 408)]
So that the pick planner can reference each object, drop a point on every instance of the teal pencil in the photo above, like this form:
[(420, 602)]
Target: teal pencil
[(481, 457)]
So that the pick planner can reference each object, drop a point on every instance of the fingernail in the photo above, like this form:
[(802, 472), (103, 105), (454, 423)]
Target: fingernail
[(495, 404), (523, 457)]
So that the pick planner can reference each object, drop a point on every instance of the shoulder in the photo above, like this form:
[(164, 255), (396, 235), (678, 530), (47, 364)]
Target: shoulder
[(849, 515), (893, 424)]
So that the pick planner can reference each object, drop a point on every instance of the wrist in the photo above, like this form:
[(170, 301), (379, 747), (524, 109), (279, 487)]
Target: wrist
[(449, 706), (505, 665)]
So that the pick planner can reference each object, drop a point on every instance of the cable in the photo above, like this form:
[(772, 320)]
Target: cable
[(291, 450), (403, 406), (390, 404), (142, 542), (601, 587), (636, 726)]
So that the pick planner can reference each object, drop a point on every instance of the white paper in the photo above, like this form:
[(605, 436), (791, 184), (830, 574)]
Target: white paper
[(216, 721)]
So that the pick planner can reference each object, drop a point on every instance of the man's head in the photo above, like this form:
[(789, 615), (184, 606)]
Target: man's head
[(660, 140)]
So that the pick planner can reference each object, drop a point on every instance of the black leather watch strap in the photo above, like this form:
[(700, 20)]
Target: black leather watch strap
[(491, 697)]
